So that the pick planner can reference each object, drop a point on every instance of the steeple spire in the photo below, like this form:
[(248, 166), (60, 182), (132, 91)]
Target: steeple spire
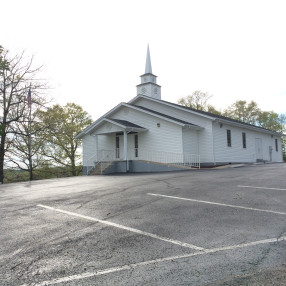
[(148, 85), (148, 66)]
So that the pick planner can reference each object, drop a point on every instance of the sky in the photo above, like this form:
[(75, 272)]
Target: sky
[(94, 51)]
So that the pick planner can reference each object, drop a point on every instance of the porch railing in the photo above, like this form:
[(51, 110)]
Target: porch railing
[(192, 160), (91, 163)]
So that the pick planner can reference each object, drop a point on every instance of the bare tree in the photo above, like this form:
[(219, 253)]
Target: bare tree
[(17, 75), (25, 152)]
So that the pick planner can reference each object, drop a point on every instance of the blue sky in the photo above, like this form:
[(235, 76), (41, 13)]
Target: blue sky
[(94, 51)]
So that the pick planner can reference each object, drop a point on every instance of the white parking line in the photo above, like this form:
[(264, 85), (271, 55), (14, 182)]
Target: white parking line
[(144, 263), (125, 228), (218, 204), (264, 188)]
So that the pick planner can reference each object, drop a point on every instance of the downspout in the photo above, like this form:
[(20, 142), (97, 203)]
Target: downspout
[(126, 149), (214, 159)]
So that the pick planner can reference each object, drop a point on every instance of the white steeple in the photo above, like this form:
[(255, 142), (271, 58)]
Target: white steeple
[(148, 85), (148, 66)]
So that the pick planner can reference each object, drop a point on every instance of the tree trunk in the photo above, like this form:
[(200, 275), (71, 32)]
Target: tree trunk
[(31, 177), (73, 168), (2, 155), (1, 167)]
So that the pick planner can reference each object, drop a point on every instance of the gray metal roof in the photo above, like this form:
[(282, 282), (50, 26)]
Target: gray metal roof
[(217, 116), (126, 123), (163, 115)]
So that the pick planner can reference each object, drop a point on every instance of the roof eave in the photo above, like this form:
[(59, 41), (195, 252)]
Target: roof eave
[(169, 104), (195, 127), (253, 127), (134, 129), (90, 127)]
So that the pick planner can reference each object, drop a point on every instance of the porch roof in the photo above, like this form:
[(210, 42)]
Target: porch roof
[(124, 125)]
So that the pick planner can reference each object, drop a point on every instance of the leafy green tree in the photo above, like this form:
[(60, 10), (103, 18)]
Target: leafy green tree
[(251, 113), (60, 126), (243, 111), (198, 100), (276, 122), (269, 120), (17, 75)]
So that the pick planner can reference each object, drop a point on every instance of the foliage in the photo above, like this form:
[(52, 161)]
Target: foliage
[(240, 110), (60, 125), (243, 111), (270, 120), (198, 100), (41, 173)]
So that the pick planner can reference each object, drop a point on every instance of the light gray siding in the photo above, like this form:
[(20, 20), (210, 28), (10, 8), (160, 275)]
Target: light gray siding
[(88, 148), (190, 141), (166, 138), (236, 153), (205, 135)]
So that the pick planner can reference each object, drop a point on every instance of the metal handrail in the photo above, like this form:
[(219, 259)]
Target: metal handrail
[(192, 160), (91, 163)]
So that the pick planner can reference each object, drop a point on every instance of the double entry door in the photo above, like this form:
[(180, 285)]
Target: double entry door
[(135, 146)]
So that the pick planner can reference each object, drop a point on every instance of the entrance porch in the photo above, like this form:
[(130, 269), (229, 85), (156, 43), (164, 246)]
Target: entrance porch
[(125, 146)]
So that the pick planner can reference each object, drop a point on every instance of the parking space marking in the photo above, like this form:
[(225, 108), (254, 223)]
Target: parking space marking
[(180, 243), (154, 261), (264, 188), (218, 204)]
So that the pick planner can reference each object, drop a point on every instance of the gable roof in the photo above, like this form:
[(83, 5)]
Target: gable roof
[(210, 115), (205, 114), (105, 117), (124, 124), (165, 115)]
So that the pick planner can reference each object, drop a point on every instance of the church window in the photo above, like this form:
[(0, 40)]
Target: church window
[(243, 140), (136, 145), (117, 147), (276, 145), (228, 135)]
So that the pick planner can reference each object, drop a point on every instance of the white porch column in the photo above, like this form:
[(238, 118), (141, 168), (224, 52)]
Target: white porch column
[(96, 147), (125, 151)]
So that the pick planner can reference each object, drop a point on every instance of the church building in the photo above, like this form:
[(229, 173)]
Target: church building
[(148, 134)]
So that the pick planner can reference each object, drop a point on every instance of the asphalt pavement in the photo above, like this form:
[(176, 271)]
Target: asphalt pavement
[(200, 227)]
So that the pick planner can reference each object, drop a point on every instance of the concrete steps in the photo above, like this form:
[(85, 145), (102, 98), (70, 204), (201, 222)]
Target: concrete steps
[(100, 168)]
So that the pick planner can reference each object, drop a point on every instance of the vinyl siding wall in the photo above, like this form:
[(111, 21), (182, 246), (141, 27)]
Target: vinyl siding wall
[(190, 141), (205, 136), (166, 138), (105, 142), (236, 153), (88, 148)]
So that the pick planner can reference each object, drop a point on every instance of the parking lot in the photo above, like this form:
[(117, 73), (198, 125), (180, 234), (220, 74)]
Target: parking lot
[(200, 227)]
